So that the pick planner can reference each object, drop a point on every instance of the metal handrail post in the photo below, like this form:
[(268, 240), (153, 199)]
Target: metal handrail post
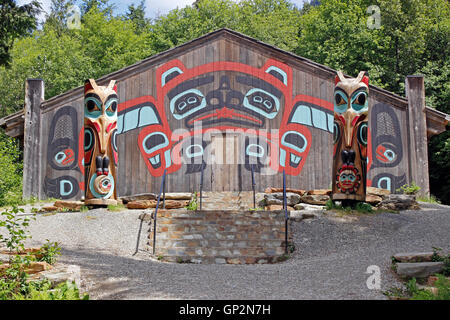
[(201, 186), (164, 192), (285, 213), (253, 187), (156, 210)]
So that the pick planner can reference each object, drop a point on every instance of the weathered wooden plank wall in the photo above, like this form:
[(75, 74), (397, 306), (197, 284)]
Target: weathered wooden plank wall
[(237, 66)]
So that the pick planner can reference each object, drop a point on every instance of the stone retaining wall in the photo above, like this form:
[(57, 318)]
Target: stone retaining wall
[(235, 237)]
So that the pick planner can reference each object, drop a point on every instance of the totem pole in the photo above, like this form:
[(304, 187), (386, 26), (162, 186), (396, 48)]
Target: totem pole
[(351, 106), (100, 147)]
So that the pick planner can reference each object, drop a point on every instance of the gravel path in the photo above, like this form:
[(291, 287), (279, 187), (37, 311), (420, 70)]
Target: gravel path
[(330, 262)]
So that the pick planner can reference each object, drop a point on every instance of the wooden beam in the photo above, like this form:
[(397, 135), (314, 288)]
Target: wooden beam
[(32, 156), (417, 128)]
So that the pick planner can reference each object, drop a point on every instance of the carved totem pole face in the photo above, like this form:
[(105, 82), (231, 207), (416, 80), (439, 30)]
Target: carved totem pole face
[(100, 147), (351, 106)]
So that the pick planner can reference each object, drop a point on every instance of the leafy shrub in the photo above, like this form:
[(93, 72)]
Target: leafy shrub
[(10, 172), (41, 290), (49, 251), (409, 189), (437, 257), (442, 285), (193, 205), (14, 281), (363, 207), (15, 226)]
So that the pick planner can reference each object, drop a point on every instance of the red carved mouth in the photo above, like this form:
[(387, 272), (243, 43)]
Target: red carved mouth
[(226, 113)]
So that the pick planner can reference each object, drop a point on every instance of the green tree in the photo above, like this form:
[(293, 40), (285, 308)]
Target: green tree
[(59, 12), (104, 6), (15, 21), (137, 16), (271, 21), (10, 171)]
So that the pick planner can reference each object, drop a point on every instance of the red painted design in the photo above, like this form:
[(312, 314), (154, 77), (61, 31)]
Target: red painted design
[(284, 86)]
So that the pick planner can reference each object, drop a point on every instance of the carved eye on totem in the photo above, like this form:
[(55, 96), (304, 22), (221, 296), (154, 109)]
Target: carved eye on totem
[(336, 132), (360, 101), (340, 101), (93, 106), (362, 134), (111, 107)]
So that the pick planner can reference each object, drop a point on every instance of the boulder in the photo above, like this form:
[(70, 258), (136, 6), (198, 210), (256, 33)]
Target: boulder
[(277, 198), (61, 275), (377, 192), (71, 205), (35, 267), (174, 204), (136, 197), (373, 199), (413, 257), (178, 196), (276, 207), (276, 190), (308, 207), (270, 199), (315, 199), (419, 269), (399, 202), (141, 204), (302, 215), (320, 192)]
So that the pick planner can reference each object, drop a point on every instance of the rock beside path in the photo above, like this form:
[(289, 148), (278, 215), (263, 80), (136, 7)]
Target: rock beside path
[(277, 198), (316, 199), (320, 192), (419, 269), (138, 197), (413, 257), (377, 192), (71, 205), (399, 202), (276, 190), (145, 204)]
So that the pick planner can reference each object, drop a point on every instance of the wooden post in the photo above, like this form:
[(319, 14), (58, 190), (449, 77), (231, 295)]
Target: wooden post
[(32, 157), (415, 92)]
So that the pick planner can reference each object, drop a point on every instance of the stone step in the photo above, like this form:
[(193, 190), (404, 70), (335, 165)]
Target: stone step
[(414, 257), (219, 251), (236, 244), (419, 269)]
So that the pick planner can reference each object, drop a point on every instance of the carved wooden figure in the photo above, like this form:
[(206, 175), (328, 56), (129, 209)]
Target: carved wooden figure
[(350, 133), (100, 145)]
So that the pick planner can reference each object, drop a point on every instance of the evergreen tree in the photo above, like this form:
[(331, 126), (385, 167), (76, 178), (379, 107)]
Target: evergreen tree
[(15, 21)]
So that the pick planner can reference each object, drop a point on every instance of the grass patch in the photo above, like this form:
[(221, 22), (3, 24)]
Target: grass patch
[(429, 199), (116, 207), (413, 292), (349, 207), (48, 214)]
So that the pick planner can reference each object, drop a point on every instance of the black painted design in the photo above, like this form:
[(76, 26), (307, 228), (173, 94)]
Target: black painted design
[(62, 151)]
